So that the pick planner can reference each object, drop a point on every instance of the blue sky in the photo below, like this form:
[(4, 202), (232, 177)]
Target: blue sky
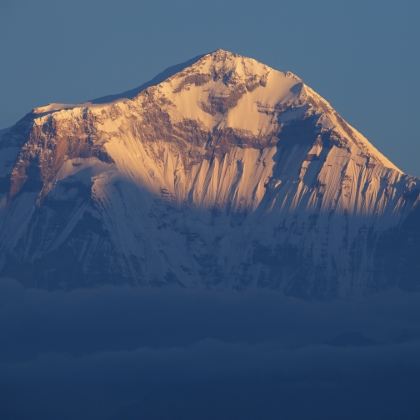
[(362, 56)]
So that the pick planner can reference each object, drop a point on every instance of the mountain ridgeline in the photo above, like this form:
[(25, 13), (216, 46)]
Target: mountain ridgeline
[(223, 172)]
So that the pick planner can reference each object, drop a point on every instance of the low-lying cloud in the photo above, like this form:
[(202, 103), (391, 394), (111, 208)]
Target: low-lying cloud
[(129, 353)]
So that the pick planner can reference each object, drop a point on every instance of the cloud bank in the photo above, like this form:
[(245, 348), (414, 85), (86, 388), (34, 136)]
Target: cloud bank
[(127, 353)]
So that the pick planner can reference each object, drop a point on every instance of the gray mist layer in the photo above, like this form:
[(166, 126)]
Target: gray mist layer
[(113, 353)]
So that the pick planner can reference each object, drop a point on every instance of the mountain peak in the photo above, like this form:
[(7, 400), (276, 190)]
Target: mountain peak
[(222, 55), (229, 91), (224, 61), (219, 64), (222, 52), (194, 64), (216, 162), (225, 55)]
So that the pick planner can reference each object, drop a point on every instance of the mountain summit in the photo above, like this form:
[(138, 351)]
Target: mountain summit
[(219, 172)]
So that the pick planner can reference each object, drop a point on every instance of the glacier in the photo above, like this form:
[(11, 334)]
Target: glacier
[(219, 173)]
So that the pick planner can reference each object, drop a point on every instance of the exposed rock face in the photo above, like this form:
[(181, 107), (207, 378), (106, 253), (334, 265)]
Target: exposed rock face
[(225, 173)]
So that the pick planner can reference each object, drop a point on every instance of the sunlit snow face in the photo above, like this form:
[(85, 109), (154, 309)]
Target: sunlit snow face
[(224, 90), (226, 166)]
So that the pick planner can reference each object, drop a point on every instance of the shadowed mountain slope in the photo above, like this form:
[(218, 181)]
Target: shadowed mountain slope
[(221, 172)]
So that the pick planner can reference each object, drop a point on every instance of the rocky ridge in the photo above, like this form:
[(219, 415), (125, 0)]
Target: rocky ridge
[(226, 173)]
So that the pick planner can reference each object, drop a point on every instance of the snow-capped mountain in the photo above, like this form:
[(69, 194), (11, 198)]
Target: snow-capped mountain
[(220, 172)]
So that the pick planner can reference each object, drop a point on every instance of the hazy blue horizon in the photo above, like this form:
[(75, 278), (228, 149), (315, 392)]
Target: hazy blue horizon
[(361, 57)]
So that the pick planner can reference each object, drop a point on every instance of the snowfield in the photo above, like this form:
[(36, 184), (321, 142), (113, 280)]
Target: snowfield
[(225, 173)]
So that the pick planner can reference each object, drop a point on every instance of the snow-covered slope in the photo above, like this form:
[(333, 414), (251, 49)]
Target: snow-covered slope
[(226, 172)]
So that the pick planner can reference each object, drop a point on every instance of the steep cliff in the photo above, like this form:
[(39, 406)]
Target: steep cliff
[(225, 172)]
